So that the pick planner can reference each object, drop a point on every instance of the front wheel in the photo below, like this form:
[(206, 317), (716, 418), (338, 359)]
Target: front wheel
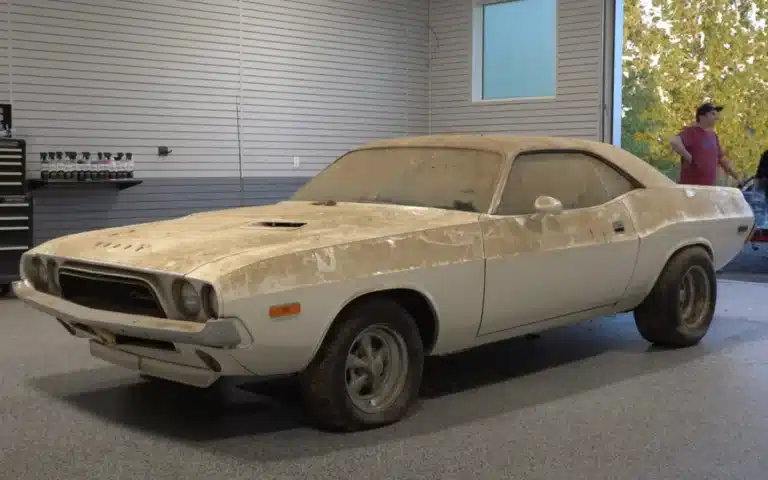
[(368, 371), (681, 306)]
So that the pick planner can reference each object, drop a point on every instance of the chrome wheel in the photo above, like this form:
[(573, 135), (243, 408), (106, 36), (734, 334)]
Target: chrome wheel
[(376, 369), (694, 296)]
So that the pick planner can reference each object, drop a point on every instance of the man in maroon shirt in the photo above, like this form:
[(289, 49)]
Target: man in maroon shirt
[(700, 149)]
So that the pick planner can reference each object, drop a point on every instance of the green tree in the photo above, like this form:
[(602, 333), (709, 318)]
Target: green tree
[(680, 53), (639, 94)]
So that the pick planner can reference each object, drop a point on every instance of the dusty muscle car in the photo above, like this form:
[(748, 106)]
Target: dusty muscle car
[(399, 249)]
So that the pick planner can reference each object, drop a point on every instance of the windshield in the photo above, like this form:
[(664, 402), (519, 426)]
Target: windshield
[(446, 178)]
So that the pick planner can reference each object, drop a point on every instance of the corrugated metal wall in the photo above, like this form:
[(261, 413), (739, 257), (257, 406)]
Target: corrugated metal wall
[(574, 113), (310, 79)]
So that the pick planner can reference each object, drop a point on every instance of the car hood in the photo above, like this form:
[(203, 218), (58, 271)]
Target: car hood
[(185, 244)]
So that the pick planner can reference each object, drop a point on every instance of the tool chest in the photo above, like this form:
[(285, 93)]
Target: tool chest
[(16, 210)]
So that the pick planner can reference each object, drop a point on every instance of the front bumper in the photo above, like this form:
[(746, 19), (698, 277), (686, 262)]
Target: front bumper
[(223, 333)]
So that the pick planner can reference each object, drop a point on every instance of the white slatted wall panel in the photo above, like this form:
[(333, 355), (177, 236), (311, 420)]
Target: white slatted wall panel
[(322, 76), (318, 77), (575, 112), (120, 75), (5, 80)]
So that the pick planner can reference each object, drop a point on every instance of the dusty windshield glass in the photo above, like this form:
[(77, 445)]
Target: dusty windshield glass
[(447, 178)]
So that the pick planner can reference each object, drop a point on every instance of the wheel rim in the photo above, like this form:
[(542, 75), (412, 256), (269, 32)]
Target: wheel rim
[(694, 296), (376, 368)]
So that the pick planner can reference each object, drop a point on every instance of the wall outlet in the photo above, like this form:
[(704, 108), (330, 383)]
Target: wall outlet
[(296, 162)]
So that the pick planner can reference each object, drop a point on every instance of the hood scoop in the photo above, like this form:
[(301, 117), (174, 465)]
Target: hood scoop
[(278, 224)]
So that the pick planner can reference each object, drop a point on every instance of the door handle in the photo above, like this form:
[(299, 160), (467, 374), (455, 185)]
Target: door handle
[(618, 226)]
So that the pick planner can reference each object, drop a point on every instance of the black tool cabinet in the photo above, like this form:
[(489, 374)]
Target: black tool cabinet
[(16, 210)]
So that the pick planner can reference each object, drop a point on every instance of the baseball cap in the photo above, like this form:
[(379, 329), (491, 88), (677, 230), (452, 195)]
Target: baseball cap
[(705, 108)]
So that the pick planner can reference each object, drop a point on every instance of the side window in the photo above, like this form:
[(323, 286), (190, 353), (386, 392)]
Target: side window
[(576, 179)]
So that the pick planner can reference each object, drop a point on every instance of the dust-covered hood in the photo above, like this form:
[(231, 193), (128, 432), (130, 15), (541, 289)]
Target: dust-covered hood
[(185, 244)]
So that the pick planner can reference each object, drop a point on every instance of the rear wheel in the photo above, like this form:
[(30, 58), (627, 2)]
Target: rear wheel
[(5, 289), (681, 306), (368, 371)]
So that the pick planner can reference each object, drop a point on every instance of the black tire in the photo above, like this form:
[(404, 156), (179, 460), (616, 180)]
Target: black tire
[(661, 319), (324, 382), (5, 289)]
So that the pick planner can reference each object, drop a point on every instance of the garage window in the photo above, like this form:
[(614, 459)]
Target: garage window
[(514, 49)]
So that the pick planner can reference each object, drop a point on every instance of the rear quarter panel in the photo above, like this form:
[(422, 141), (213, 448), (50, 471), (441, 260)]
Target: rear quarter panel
[(670, 218)]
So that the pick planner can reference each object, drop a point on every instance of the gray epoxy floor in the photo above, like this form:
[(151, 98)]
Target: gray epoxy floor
[(588, 402)]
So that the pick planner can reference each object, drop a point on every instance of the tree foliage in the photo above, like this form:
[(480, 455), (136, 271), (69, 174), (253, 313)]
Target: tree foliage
[(680, 53), (640, 94)]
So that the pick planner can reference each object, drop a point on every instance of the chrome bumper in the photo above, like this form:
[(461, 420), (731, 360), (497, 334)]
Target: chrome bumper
[(214, 333)]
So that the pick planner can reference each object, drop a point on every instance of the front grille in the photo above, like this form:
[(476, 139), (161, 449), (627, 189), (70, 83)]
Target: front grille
[(110, 293)]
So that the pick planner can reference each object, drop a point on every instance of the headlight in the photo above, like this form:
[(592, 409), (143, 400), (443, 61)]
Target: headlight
[(31, 269), (210, 302), (36, 271), (41, 272), (187, 299)]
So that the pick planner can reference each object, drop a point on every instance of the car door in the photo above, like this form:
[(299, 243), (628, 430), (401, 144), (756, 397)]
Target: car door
[(543, 266)]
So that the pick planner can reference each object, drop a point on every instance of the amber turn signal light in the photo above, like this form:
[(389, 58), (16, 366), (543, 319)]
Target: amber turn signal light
[(284, 310)]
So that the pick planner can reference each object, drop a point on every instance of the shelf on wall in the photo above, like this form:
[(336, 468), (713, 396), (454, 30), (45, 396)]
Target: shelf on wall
[(120, 183)]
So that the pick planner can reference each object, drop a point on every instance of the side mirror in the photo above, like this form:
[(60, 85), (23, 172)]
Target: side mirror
[(548, 205)]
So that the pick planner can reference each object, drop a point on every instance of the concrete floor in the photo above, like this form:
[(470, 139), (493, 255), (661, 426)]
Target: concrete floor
[(587, 402)]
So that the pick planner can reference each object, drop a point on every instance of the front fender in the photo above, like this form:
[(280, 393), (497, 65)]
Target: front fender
[(387, 286), (287, 345)]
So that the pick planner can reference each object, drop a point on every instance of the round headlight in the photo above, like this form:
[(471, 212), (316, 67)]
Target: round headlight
[(34, 270), (28, 267), (42, 272), (210, 302), (188, 299)]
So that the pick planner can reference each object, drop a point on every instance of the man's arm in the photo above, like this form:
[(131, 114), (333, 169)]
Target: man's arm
[(677, 145), (726, 164), (728, 167)]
